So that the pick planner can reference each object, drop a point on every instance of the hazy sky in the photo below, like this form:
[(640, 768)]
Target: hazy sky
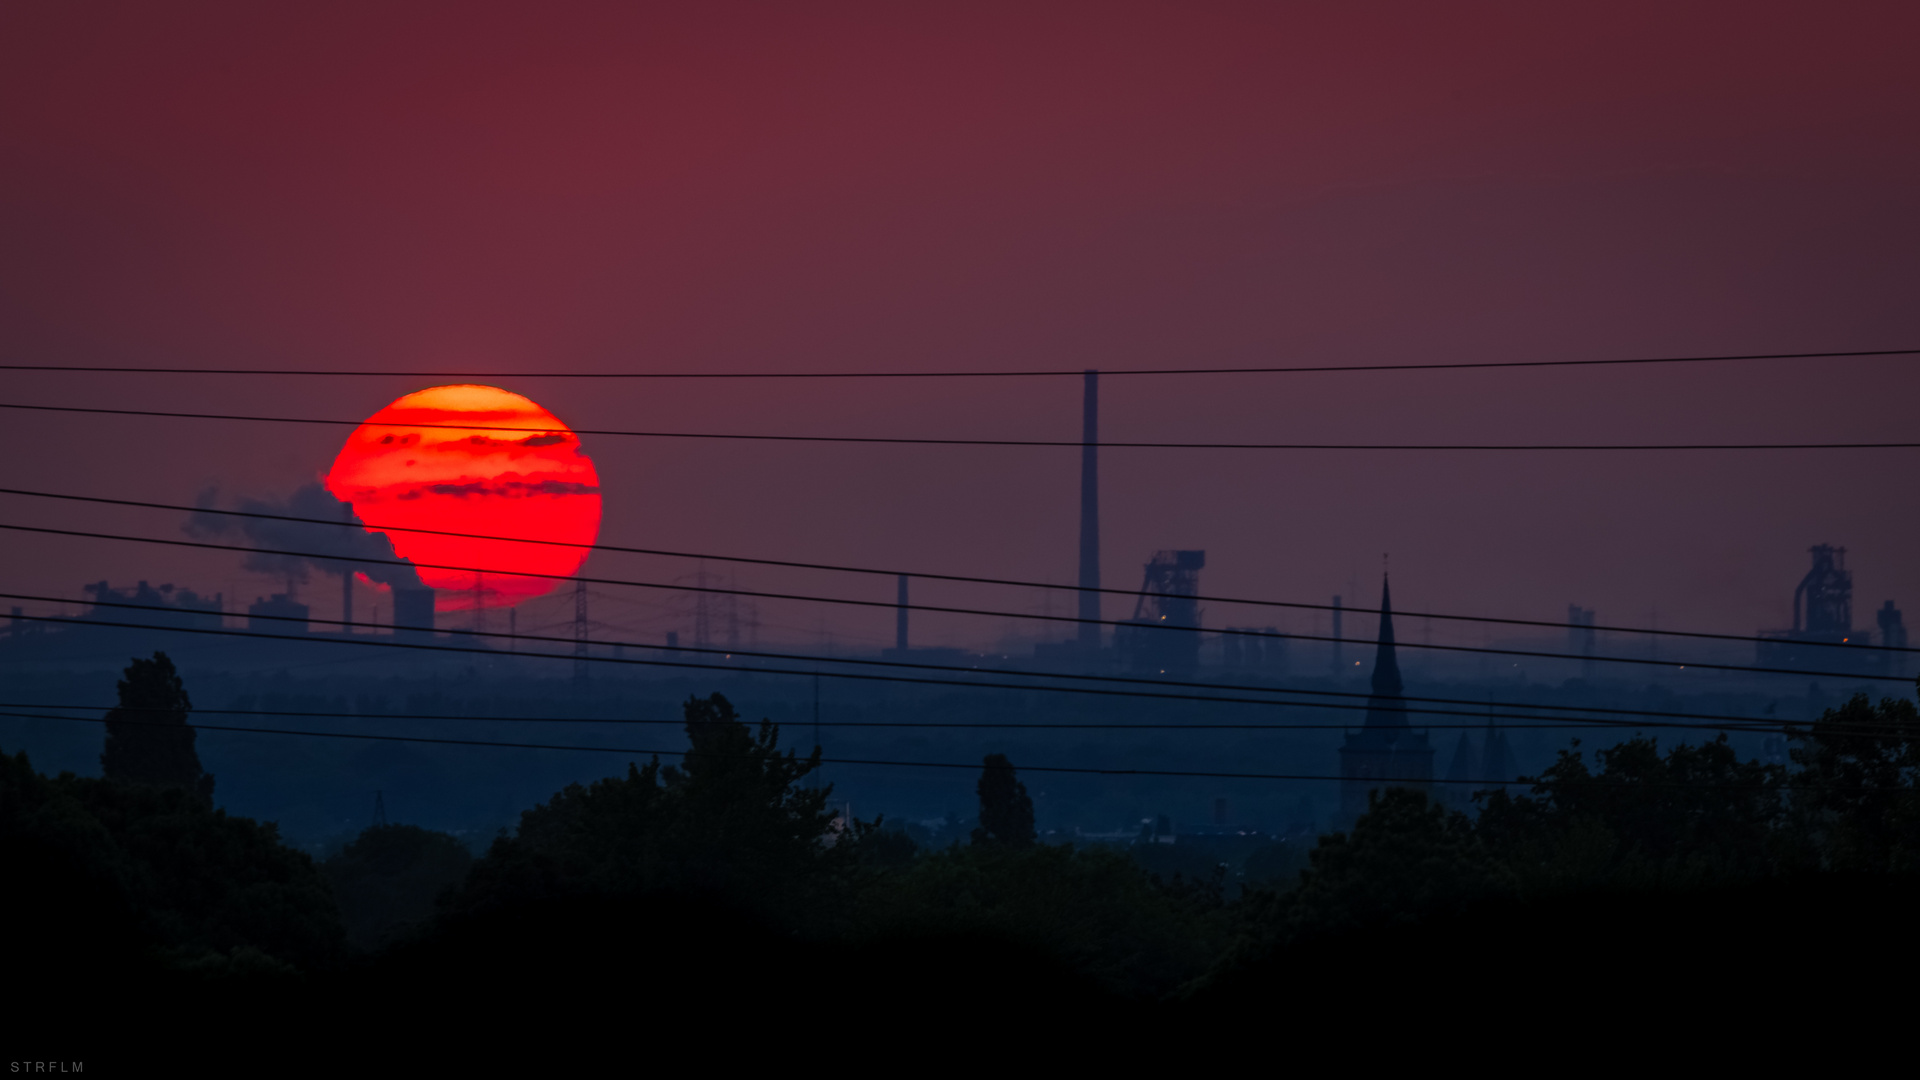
[(891, 187)]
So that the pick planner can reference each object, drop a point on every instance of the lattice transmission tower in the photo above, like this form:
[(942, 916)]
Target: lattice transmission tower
[(579, 632)]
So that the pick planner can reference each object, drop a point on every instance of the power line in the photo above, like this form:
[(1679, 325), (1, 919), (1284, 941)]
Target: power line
[(815, 672), (824, 761), (890, 441), (1087, 770), (943, 609), (1480, 723), (894, 573), (857, 676), (950, 374)]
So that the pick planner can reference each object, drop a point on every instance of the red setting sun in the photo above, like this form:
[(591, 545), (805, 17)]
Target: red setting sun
[(527, 478)]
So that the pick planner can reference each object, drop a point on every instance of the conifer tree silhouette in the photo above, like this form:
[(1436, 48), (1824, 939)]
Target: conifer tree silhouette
[(1006, 811), (148, 738)]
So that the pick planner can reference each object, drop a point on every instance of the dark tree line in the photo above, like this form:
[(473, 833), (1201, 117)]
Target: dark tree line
[(1634, 819), (738, 826)]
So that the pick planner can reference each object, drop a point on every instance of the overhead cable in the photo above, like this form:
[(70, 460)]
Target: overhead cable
[(1160, 686), (520, 638), (1282, 369), (1074, 444), (895, 573), (1482, 723), (943, 609), (671, 752)]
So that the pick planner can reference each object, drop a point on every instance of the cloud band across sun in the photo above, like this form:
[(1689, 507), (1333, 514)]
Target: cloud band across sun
[(510, 469)]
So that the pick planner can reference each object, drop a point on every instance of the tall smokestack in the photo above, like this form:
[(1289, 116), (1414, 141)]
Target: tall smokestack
[(900, 618), (1338, 663), (346, 579), (412, 612), (1090, 516)]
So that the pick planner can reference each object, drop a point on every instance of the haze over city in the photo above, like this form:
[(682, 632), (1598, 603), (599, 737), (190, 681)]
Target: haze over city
[(1570, 316)]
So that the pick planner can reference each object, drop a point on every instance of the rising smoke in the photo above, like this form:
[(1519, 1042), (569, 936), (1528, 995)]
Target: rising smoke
[(335, 549)]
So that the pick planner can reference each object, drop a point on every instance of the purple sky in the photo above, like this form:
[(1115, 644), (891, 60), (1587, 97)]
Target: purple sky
[(888, 188)]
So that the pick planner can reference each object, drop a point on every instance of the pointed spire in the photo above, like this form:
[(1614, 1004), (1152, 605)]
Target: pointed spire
[(1461, 771), (1386, 667), (1458, 790), (1496, 762)]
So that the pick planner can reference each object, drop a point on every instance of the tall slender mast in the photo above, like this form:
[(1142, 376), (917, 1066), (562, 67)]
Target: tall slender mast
[(900, 617), (346, 580), (1090, 516), (579, 633)]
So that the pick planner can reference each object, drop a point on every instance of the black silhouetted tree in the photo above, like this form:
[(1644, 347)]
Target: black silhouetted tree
[(730, 821), (148, 738), (388, 878), (1405, 859), (1092, 908), (887, 849), (204, 888), (1694, 815), (1276, 864), (743, 817), (1856, 798), (1006, 811)]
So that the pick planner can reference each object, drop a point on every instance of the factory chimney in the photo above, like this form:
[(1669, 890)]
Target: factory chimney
[(346, 579), (1338, 663), (900, 618), (1090, 517)]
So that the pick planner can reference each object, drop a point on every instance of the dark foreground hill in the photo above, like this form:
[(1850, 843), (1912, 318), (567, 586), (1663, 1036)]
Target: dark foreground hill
[(718, 912), (575, 984)]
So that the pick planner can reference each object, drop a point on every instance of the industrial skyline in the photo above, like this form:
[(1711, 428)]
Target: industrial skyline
[(1165, 597), (1446, 197), (1018, 516)]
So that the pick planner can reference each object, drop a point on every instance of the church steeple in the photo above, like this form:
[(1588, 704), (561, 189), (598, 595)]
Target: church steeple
[(1386, 666), (1386, 751)]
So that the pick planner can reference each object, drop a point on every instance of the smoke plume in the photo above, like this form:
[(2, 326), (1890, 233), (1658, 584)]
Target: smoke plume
[(338, 549)]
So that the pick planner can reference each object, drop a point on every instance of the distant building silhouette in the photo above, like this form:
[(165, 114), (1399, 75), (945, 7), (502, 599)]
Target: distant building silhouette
[(1823, 617), (1827, 594), (1893, 635), (1163, 636), (412, 612), (1253, 650), (1893, 629), (1386, 751), (153, 606), (1580, 637), (277, 614)]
